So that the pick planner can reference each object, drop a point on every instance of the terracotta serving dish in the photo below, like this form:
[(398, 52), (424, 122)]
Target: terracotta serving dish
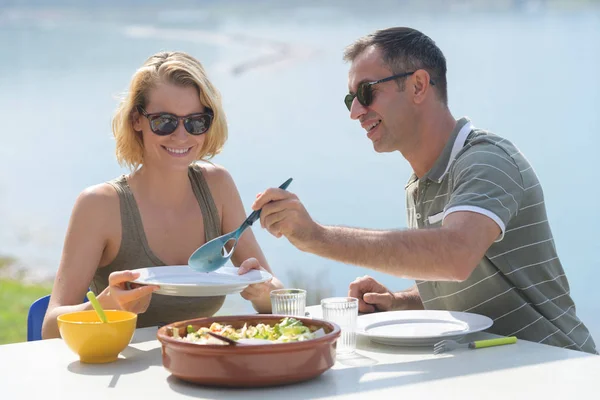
[(248, 365)]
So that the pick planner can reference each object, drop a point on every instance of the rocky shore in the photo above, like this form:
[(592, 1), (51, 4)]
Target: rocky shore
[(10, 268)]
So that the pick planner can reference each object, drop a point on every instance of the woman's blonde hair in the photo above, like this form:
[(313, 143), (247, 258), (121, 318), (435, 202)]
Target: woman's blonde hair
[(177, 68)]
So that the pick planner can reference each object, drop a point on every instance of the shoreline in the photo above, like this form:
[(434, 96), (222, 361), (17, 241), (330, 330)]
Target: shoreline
[(269, 53), (11, 269)]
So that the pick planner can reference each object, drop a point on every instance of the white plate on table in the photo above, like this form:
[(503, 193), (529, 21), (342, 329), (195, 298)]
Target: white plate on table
[(419, 327), (181, 280)]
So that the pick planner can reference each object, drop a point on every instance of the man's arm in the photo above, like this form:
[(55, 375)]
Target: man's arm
[(486, 191), (448, 253)]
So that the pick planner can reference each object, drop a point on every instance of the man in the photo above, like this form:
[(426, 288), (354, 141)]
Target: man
[(479, 239)]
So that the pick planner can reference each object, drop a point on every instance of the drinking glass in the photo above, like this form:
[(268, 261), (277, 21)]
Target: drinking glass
[(342, 311), (288, 302)]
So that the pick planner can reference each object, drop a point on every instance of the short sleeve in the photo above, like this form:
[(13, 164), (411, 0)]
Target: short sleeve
[(485, 179)]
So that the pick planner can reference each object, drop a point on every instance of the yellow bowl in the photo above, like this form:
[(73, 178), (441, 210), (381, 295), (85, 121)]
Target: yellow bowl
[(94, 341)]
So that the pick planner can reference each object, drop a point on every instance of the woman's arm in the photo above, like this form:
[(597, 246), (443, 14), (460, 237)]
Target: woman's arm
[(233, 215), (95, 220), (84, 245)]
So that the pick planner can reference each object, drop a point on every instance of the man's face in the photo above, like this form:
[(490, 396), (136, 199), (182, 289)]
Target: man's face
[(387, 120)]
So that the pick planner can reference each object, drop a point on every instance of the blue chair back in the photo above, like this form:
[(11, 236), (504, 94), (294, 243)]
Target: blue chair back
[(35, 318)]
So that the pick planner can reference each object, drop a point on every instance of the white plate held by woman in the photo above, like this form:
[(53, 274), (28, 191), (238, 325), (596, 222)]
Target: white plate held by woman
[(181, 280)]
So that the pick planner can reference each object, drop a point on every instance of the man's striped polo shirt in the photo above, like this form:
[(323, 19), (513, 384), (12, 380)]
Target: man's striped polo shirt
[(520, 283)]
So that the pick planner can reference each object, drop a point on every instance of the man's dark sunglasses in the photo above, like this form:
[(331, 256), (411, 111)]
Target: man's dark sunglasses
[(164, 124), (364, 93)]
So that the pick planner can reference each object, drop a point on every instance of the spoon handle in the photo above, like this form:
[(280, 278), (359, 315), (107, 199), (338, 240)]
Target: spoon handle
[(252, 218), (92, 298), (223, 338)]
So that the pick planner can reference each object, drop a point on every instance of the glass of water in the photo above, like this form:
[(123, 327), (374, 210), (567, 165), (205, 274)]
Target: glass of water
[(288, 302), (342, 311)]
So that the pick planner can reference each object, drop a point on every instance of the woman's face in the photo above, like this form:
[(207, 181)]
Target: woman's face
[(180, 148)]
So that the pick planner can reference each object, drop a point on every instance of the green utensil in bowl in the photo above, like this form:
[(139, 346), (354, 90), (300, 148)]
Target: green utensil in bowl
[(96, 304)]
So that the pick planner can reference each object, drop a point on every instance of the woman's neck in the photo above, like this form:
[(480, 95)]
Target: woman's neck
[(164, 187)]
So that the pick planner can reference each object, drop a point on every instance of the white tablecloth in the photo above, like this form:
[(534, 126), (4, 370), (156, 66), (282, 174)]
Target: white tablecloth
[(49, 370)]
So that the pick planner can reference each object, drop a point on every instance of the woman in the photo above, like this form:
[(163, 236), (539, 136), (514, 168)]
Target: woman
[(167, 207)]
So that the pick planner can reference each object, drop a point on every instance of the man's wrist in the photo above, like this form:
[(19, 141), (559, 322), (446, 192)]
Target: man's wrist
[(315, 240), (398, 301), (407, 300)]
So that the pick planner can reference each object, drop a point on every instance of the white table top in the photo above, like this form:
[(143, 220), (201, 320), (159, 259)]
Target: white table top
[(48, 369)]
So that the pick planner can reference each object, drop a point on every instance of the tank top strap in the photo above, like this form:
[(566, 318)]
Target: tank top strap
[(210, 214)]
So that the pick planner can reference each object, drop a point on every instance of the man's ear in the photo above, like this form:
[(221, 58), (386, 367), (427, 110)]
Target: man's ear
[(420, 85)]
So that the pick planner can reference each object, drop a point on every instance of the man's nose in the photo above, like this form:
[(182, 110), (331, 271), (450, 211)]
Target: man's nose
[(357, 109)]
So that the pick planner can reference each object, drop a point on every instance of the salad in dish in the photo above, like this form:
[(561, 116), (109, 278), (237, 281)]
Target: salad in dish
[(287, 330)]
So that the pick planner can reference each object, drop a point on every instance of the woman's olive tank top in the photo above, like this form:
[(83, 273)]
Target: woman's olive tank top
[(135, 253)]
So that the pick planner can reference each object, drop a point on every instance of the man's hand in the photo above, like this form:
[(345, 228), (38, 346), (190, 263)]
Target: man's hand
[(372, 296), (284, 215)]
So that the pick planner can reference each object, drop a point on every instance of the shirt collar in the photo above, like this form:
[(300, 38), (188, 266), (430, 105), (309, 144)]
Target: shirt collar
[(455, 143)]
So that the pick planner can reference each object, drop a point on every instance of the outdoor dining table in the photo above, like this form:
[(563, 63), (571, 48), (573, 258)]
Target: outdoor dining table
[(48, 370)]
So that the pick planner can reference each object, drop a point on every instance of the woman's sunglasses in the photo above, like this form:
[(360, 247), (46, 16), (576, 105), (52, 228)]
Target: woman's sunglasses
[(364, 93), (164, 124)]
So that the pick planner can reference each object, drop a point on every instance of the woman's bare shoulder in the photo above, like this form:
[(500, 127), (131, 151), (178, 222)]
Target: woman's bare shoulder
[(221, 185), (216, 175), (98, 200)]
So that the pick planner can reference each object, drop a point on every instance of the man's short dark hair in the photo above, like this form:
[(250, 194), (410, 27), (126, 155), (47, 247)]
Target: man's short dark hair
[(406, 49)]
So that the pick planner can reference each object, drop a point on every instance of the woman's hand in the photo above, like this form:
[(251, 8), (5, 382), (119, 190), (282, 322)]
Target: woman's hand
[(257, 291), (135, 300)]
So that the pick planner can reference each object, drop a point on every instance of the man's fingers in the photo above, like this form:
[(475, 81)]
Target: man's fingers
[(362, 285), (280, 205), (277, 229), (368, 284), (368, 291), (272, 194), (371, 285), (381, 301), (283, 208), (354, 290), (365, 307), (268, 221)]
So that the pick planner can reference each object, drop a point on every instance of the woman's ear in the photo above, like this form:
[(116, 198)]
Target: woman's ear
[(136, 120)]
